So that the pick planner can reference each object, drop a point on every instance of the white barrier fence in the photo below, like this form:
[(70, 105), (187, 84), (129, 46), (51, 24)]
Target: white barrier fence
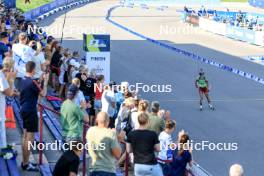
[(238, 33), (212, 26)]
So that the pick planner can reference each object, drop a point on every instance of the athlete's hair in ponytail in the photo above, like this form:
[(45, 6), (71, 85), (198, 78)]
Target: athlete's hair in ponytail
[(183, 144)]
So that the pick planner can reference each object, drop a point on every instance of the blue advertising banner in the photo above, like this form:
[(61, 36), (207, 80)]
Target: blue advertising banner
[(10, 3), (257, 3), (174, 2), (32, 14), (45, 8)]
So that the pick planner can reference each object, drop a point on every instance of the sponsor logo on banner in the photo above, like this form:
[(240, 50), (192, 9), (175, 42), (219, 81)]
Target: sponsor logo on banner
[(98, 43), (97, 49), (32, 14)]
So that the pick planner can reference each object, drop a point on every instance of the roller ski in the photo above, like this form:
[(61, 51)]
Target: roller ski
[(211, 107)]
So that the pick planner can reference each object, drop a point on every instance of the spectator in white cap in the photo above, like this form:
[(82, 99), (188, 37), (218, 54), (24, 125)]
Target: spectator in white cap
[(236, 170)]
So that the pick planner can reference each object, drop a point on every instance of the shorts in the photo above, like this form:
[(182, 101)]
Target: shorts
[(203, 90), (54, 70), (147, 170), (30, 121), (97, 105)]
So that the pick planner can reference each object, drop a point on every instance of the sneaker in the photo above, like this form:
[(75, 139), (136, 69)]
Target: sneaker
[(201, 108), (211, 107), (31, 167)]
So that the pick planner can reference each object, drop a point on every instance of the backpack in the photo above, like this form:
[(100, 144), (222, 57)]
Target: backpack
[(128, 123)]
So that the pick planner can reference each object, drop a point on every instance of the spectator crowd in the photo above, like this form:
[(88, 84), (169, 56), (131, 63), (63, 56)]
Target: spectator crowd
[(34, 64), (238, 19)]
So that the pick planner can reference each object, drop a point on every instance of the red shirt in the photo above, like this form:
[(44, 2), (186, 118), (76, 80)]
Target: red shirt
[(98, 91)]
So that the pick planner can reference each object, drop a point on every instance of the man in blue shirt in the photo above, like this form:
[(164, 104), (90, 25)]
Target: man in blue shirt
[(3, 47), (29, 93)]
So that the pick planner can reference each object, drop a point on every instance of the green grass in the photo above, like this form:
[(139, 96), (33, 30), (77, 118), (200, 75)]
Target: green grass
[(234, 0), (34, 4)]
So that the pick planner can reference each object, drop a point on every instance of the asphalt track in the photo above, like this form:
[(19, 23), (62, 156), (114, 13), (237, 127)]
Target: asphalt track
[(239, 102)]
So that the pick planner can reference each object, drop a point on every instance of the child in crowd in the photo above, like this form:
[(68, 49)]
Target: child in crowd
[(98, 93)]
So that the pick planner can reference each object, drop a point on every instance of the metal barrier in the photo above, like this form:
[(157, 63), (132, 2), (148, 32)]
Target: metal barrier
[(194, 170), (197, 170), (85, 128)]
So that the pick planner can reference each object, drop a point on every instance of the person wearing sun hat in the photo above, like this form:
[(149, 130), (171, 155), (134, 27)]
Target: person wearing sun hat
[(72, 116)]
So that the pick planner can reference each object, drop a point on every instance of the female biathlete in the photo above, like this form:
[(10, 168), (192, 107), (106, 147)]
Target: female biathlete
[(201, 83)]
